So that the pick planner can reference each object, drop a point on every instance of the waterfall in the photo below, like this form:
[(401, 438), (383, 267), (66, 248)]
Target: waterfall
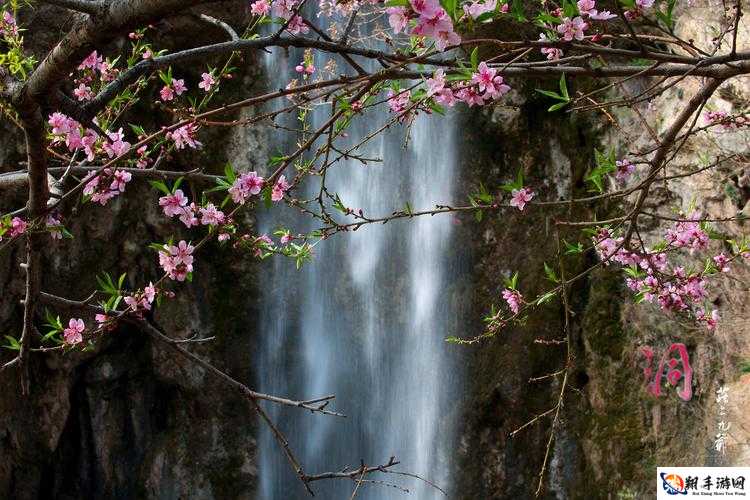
[(367, 318)]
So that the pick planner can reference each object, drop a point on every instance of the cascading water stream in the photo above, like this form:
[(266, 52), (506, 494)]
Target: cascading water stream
[(367, 318)]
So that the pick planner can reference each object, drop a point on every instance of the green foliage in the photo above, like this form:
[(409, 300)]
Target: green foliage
[(562, 96), (605, 164)]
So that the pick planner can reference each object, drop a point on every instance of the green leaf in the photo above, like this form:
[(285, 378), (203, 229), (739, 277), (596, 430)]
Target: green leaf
[(571, 249), (564, 87), (551, 274), (551, 94), (545, 298), (13, 344), (517, 10), (557, 106), (475, 58), (177, 184), (159, 185), (397, 3), (229, 173)]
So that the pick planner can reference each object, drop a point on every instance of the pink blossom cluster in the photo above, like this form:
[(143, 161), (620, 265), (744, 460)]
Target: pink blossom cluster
[(13, 227), (305, 68), (8, 24), (207, 82), (477, 8), (69, 130), (94, 66), (637, 11), (177, 260), (709, 320), (485, 85), (727, 122), (399, 102), (552, 53), (624, 169), (261, 243), (54, 226), (284, 9), (279, 188), (246, 185), (430, 20), (673, 288), (106, 185), (572, 28), (73, 334), (514, 299), (175, 88), (587, 8), (688, 234), (142, 301), (185, 136), (520, 197)]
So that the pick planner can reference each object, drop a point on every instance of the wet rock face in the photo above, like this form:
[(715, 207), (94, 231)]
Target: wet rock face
[(613, 433), (128, 420)]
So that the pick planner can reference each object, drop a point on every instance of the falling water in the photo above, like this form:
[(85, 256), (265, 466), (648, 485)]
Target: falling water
[(366, 319)]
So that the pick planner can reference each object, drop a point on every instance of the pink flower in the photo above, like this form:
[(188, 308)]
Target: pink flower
[(304, 68), (166, 93), (150, 292), (425, 7), (514, 299), (604, 15), (179, 86), (624, 169), (207, 81), (281, 187), (173, 204), (188, 215), (722, 262), (246, 185), (476, 9), (223, 237), (92, 61), (83, 92), (471, 96), (586, 6), (101, 319), (8, 24), (552, 53), (17, 227), (397, 18), (688, 234), (297, 25), (121, 178), (572, 28), (116, 146), (73, 334), (211, 216), (520, 197), (644, 4), (54, 226), (286, 238), (177, 261), (61, 124), (147, 54), (710, 321), (260, 8), (488, 81), (399, 101), (88, 142), (185, 135)]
